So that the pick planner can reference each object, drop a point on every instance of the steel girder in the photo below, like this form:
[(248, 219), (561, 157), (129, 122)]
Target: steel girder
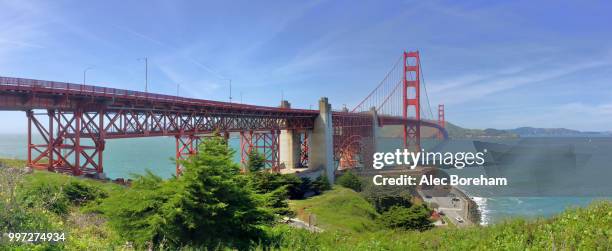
[(265, 143), (63, 148), (353, 139)]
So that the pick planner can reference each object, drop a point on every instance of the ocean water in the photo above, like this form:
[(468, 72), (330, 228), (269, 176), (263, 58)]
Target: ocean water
[(123, 157), (495, 206), (585, 182)]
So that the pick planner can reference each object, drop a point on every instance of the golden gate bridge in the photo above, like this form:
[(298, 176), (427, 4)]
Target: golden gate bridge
[(75, 120)]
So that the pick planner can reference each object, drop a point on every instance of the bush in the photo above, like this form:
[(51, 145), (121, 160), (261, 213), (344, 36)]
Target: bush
[(80, 192), (412, 218), (137, 213), (20, 215), (384, 197), (48, 196), (350, 180), (387, 201), (265, 182), (277, 201), (321, 184), (296, 186), (210, 206)]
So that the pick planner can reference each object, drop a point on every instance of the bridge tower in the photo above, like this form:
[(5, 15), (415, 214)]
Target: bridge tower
[(441, 120), (411, 106)]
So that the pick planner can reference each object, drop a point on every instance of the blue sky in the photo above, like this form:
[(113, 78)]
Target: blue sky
[(494, 64)]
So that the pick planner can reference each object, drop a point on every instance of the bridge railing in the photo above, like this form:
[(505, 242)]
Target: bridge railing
[(22, 84)]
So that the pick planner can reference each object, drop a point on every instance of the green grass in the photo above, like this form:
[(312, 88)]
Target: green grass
[(340, 209), (15, 163), (62, 179), (449, 223), (56, 178), (575, 229), (349, 224)]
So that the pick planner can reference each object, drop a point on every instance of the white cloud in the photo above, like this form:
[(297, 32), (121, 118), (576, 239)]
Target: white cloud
[(471, 87)]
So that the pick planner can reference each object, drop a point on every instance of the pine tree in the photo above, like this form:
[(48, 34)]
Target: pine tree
[(256, 161), (209, 206), (214, 203)]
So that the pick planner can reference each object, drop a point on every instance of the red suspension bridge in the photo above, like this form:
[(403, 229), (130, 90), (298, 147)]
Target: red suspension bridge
[(74, 122)]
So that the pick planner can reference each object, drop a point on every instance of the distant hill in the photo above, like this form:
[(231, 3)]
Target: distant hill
[(532, 131), (455, 131)]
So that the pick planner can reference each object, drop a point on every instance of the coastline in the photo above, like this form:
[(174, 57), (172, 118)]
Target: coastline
[(473, 211)]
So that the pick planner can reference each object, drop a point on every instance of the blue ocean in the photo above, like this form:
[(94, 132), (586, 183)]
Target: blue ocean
[(125, 157)]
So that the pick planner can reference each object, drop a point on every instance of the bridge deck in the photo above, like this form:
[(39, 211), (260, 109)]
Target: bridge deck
[(23, 94)]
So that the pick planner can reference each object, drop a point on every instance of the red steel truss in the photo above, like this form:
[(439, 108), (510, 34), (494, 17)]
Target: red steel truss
[(265, 143), (411, 100), (64, 148), (186, 146), (79, 118), (73, 121), (353, 139), (304, 149)]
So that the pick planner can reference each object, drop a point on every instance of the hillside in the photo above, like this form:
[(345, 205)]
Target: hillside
[(349, 224), (455, 131), (532, 131), (338, 211)]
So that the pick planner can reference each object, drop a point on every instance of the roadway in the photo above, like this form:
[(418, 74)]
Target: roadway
[(452, 206)]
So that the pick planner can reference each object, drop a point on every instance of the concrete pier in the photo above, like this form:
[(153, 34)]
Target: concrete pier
[(289, 144), (289, 149), (321, 154)]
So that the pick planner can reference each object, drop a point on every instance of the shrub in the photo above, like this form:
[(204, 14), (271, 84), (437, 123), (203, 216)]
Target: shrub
[(412, 218), (321, 184), (137, 213), (387, 201), (274, 189), (80, 192), (350, 180), (277, 201), (296, 186), (20, 215), (265, 182), (209, 206), (385, 197), (48, 196)]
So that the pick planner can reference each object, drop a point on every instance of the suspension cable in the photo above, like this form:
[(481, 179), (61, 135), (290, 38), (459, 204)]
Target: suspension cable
[(425, 87)]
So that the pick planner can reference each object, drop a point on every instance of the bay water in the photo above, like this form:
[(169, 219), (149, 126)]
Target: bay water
[(124, 157)]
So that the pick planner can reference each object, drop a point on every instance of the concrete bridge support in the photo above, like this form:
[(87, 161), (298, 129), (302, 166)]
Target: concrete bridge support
[(290, 148), (289, 144), (321, 155)]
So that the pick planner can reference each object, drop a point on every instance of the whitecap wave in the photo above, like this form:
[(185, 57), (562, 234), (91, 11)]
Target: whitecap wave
[(483, 209)]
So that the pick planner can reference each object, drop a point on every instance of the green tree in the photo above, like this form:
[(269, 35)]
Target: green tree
[(415, 217), (350, 180), (256, 162), (321, 184), (137, 212), (209, 205), (296, 186)]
